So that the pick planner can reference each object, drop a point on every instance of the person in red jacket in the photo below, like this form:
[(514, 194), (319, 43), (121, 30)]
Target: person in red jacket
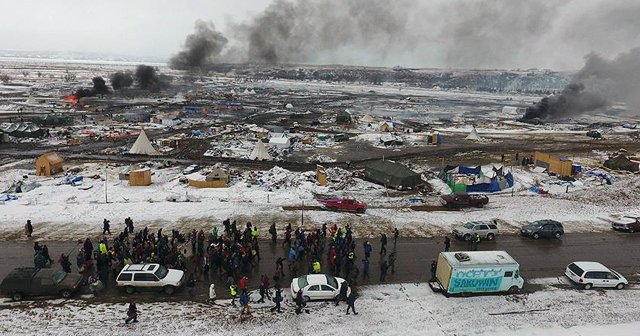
[(243, 283)]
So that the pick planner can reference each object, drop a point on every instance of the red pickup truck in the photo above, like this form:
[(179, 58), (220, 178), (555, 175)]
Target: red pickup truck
[(344, 204), (462, 199)]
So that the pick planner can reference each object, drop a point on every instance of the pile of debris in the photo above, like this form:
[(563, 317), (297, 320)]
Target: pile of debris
[(622, 193), (320, 158), (278, 178)]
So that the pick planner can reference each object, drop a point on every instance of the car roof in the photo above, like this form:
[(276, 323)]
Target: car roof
[(141, 267), (316, 279), (589, 266)]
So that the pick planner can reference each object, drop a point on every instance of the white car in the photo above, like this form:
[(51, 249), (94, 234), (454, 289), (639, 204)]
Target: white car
[(317, 286), (591, 274), (191, 169), (149, 276)]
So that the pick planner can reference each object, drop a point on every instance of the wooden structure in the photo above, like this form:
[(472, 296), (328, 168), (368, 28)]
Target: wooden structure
[(554, 164), (218, 178), (49, 164), (321, 175), (140, 177)]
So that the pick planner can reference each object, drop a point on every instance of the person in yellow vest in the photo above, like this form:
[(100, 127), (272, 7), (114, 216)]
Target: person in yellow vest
[(255, 233), (103, 248), (316, 267), (233, 289)]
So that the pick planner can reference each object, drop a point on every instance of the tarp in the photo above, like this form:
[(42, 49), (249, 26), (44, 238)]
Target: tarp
[(75, 180), (260, 152), (142, 146)]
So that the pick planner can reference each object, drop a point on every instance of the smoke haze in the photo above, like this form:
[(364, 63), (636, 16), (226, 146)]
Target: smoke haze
[(439, 33)]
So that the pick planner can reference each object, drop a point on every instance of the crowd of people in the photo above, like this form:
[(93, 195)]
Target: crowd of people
[(230, 254)]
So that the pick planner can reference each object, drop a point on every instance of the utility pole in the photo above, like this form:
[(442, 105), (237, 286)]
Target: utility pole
[(302, 219), (106, 183)]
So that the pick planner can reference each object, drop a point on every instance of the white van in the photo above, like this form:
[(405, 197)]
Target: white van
[(591, 274), (478, 272)]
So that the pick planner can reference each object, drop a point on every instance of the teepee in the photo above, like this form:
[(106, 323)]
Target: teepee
[(142, 145), (260, 152), (367, 119), (473, 135)]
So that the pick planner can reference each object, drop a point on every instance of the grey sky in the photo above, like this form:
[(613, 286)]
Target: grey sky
[(128, 27), (553, 34)]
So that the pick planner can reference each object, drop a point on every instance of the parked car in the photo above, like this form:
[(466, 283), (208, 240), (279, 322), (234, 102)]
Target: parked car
[(631, 225), (462, 199), (486, 230), (317, 286), (545, 228), (191, 169), (149, 277), (589, 274), (594, 134), (340, 137), (22, 282), (344, 204)]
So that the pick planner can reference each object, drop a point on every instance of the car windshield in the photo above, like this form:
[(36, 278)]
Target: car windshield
[(468, 226), (537, 224), (333, 282), (576, 269), (161, 272), (302, 282), (58, 276)]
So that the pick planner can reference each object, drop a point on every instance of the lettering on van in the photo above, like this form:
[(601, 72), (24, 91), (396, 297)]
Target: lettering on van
[(476, 280)]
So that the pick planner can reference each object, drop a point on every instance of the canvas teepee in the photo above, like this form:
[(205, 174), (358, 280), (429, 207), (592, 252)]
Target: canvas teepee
[(473, 135), (367, 119), (260, 152), (142, 145)]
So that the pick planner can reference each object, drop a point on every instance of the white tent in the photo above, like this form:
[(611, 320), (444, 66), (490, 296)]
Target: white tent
[(280, 140), (473, 135), (142, 145), (260, 152)]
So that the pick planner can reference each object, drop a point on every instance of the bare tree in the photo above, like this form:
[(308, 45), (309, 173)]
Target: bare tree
[(4, 78), (25, 74)]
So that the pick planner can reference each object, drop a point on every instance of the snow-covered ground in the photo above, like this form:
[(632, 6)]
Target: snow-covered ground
[(65, 211), (398, 309)]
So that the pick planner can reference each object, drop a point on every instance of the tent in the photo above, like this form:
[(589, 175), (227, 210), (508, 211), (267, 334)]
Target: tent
[(280, 140), (473, 136), (260, 152), (622, 162), (142, 146), (386, 126), (392, 174), (477, 179)]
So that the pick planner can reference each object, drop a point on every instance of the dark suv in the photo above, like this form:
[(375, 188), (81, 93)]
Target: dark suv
[(29, 281), (462, 199), (546, 228)]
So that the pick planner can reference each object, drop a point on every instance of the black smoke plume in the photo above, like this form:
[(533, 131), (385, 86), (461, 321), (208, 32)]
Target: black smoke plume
[(99, 85), (147, 78), (598, 85), (121, 79), (200, 48)]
